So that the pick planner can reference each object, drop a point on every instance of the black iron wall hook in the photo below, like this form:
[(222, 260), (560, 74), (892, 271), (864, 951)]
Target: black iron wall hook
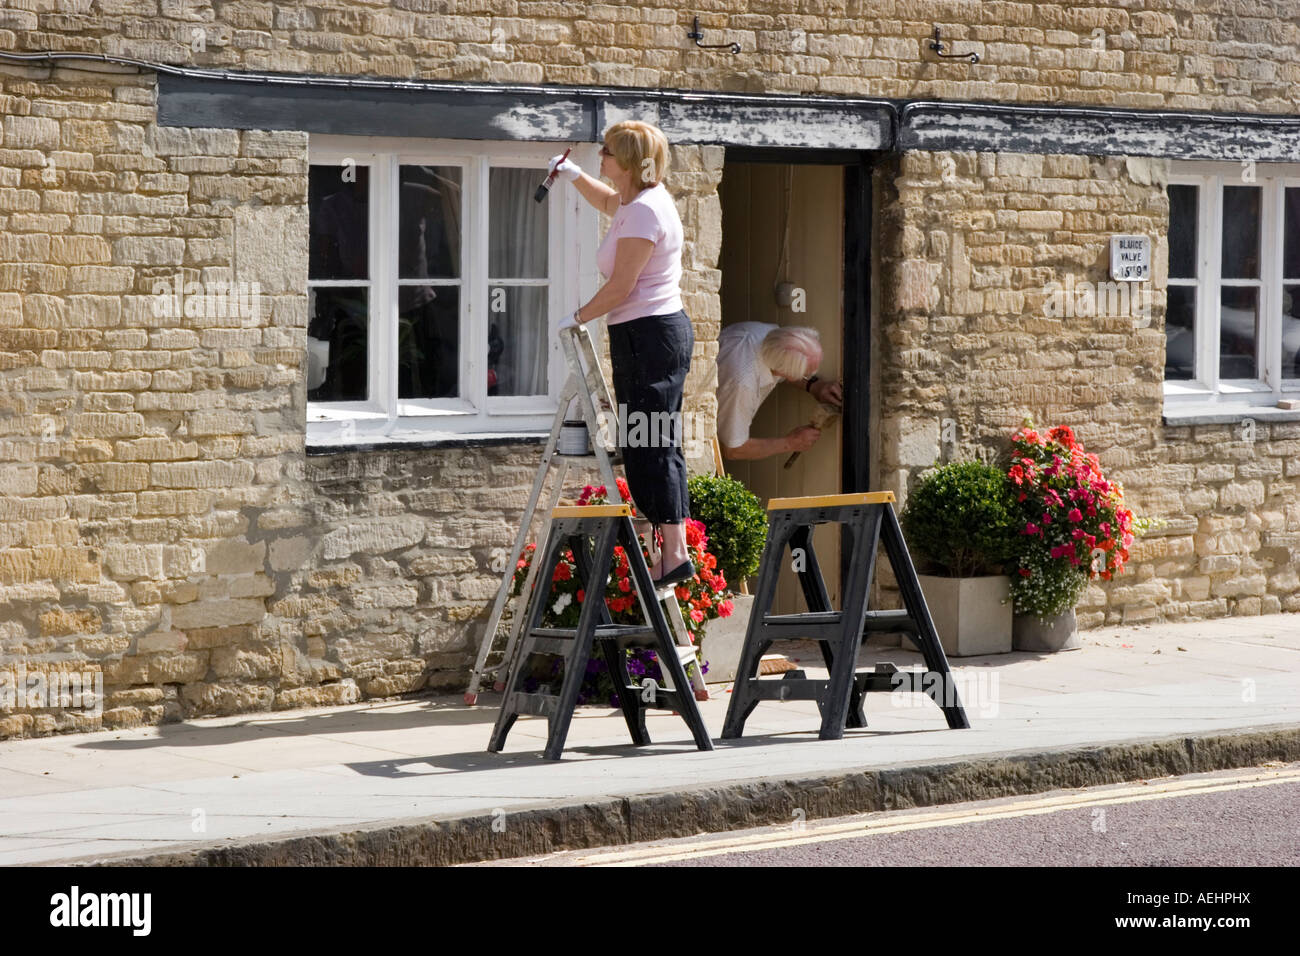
[(697, 36), (937, 46)]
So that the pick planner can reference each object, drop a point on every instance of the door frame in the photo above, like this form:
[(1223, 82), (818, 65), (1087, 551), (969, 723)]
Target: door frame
[(855, 459), (855, 345)]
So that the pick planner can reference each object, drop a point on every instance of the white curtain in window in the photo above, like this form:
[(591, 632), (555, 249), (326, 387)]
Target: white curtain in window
[(518, 237)]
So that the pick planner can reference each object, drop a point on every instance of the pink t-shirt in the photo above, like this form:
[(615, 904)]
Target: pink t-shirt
[(651, 215)]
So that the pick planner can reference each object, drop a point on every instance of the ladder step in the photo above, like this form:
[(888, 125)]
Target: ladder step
[(535, 705), (800, 628), (890, 620), (788, 689), (815, 618)]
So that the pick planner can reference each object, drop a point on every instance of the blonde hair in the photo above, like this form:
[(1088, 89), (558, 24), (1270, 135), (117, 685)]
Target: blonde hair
[(789, 351), (639, 146)]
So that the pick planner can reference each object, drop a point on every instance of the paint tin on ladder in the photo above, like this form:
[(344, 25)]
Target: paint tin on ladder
[(573, 438)]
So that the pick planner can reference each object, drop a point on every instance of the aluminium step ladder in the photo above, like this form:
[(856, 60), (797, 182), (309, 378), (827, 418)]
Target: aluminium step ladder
[(868, 520), (585, 385), (590, 533)]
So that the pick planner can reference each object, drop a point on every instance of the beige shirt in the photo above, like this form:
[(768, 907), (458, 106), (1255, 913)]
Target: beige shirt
[(744, 382)]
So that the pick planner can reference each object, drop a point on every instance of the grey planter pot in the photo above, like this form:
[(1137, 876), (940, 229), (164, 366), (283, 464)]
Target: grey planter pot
[(1060, 633), (972, 615), (724, 637)]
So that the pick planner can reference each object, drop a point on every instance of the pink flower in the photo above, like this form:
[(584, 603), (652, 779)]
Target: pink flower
[(697, 615), (1075, 514), (1032, 528), (724, 608)]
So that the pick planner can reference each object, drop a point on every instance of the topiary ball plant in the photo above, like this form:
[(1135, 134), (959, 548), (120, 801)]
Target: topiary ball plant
[(961, 520), (735, 522)]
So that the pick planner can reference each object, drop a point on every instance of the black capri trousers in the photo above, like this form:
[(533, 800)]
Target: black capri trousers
[(650, 358)]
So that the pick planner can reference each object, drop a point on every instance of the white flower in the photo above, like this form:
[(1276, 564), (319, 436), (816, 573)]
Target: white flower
[(563, 601)]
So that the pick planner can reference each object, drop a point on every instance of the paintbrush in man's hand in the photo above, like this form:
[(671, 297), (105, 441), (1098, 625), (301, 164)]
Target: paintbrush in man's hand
[(823, 417)]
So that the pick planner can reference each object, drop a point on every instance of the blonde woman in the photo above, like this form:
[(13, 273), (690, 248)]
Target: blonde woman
[(650, 335)]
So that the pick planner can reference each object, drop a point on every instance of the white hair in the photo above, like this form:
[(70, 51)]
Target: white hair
[(794, 352)]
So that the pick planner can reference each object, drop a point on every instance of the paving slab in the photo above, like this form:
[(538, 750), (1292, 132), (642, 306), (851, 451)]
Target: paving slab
[(233, 784)]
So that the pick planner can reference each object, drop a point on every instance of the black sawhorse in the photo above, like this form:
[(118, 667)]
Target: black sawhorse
[(867, 519), (591, 533)]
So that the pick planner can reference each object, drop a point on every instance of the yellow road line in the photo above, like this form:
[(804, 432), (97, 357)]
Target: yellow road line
[(812, 833)]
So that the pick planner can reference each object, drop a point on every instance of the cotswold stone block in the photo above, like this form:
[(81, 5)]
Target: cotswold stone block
[(377, 536), (207, 614)]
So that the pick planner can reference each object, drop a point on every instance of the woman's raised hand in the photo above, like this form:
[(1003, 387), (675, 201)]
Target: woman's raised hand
[(564, 167)]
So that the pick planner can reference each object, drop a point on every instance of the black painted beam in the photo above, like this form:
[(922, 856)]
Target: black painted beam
[(506, 113), (1015, 128)]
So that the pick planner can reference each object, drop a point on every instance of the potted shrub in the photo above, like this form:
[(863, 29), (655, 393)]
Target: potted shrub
[(959, 524), (737, 529), (1072, 526)]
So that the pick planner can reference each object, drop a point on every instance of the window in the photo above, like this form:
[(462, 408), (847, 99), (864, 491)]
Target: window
[(1232, 329), (435, 282)]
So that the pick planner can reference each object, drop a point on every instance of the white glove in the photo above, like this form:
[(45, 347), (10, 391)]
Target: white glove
[(570, 321), (568, 168)]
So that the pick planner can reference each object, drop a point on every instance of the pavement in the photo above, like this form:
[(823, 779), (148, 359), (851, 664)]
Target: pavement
[(409, 781)]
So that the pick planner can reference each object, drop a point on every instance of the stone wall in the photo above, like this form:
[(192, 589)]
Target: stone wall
[(160, 521), (970, 245), (1192, 54)]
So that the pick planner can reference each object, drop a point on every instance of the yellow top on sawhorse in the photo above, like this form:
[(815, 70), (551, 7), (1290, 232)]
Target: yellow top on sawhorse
[(831, 501), (592, 511)]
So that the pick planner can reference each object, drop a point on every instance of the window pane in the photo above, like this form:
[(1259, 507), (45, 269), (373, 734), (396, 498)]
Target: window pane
[(517, 341), (336, 344), (339, 208), (1182, 231), (517, 225), (1291, 331), (428, 244), (428, 341), (1180, 333), (1239, 333), (1291, 245), (1241, 232)]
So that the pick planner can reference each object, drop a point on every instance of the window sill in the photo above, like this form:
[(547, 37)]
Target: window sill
[(426, 441), (1220, 415)]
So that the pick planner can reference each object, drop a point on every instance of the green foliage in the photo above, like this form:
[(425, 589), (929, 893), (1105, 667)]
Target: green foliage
[(961, 519), (735, 521)]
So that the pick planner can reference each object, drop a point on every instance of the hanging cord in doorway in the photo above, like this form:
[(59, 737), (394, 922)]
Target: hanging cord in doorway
[(782, 288)]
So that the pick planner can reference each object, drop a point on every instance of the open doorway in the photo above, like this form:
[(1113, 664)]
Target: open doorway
[(803, 218)]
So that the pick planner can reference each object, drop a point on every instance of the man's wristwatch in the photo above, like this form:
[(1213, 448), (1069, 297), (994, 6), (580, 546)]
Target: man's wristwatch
[(808, 382)]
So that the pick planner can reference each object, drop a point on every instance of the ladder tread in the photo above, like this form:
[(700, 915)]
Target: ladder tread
[(814, 618)]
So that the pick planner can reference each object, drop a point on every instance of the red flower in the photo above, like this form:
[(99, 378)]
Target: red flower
[(624, 585), (1025, 572), (1064, 434)]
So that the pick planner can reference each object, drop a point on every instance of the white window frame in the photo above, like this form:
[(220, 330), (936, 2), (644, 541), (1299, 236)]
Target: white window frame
[(1206, 392), (573, 235)]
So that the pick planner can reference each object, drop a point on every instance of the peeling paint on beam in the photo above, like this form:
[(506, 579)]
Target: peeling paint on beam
[(469, 115), (775, 125), (1109, 133), (564, 116)]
